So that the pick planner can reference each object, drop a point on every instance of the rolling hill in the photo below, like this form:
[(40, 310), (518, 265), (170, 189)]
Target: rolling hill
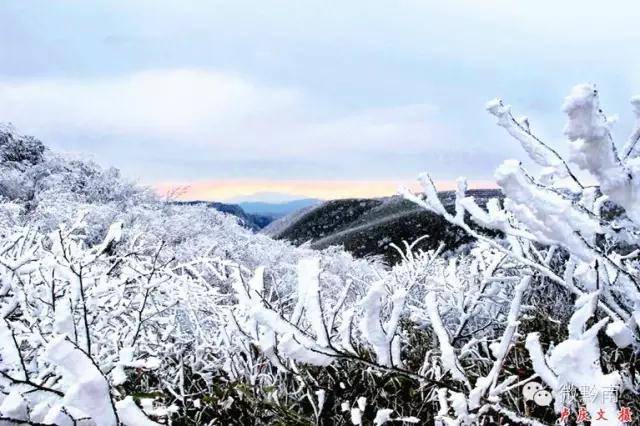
[(367, 227)]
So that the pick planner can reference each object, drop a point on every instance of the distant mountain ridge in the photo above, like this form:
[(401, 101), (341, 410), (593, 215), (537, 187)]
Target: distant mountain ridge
[(269, 197), (277, 210), (367, 227), (255, 222), (257, 215)]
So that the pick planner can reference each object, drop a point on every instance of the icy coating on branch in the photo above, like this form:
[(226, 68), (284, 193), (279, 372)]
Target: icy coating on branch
[(573, 237)]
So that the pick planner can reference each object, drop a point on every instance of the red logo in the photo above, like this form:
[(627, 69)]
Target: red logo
[(625, 415), (583, 415)]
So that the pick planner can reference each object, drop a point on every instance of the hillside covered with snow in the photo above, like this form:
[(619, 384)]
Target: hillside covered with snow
[(118, 307), (370, 227)]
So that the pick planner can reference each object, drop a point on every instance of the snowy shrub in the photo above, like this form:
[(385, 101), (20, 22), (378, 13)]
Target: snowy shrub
[(10, 215), (570, 238), (78, 321), (19, 150)]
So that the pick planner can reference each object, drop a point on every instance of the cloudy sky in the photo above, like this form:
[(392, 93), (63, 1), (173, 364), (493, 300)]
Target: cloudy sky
[(325, 99)]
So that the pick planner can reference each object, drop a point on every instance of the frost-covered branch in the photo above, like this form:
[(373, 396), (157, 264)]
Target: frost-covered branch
[(567, 234)]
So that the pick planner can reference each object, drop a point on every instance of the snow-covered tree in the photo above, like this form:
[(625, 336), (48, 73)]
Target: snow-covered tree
[(78, 320), (573, 228)]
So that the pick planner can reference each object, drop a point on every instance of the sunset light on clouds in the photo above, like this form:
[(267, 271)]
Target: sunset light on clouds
[(225, 190), (250, 96)]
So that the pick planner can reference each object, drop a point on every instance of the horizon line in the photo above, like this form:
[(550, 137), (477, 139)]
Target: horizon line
[(230, 189)]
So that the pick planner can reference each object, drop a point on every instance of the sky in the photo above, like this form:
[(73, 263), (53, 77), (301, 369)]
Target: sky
[(322, 99)]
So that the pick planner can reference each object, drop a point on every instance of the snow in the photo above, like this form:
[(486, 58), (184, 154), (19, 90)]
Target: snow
[(547, 215), (309, 297), (362, 402), (585, 308), (14, 406), (89, 391), (506, 341), (555, 210), (321, 395), (381, 335), (356, 416), (592, 149), (536, 151), (630, 148), (60, 415), (539, 362), (586, 121), (63, 320), (278, 227), (448, 358), (114, 235), (576, 361), (621, 334), (344, 330), (131, 415), (383, 415), (8, 352), (292, 342), (459, 405), (126, 359)]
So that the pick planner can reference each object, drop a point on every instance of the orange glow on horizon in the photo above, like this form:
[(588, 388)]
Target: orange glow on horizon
[(221, 190)]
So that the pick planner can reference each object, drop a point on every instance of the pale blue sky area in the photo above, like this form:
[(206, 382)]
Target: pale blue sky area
[(196, 90)]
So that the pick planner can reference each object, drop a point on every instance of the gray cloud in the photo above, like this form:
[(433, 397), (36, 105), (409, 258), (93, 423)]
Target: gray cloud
[(209, 89), (218, 124)]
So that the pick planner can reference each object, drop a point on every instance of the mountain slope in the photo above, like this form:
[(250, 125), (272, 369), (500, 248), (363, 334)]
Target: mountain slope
[(254, 222), (367, 227), (276, 210)]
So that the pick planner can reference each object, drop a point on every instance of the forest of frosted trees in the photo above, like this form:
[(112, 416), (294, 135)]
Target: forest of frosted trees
[(120, 307)]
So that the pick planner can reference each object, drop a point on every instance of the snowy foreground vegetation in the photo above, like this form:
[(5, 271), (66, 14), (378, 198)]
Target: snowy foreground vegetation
[(120, 308)]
